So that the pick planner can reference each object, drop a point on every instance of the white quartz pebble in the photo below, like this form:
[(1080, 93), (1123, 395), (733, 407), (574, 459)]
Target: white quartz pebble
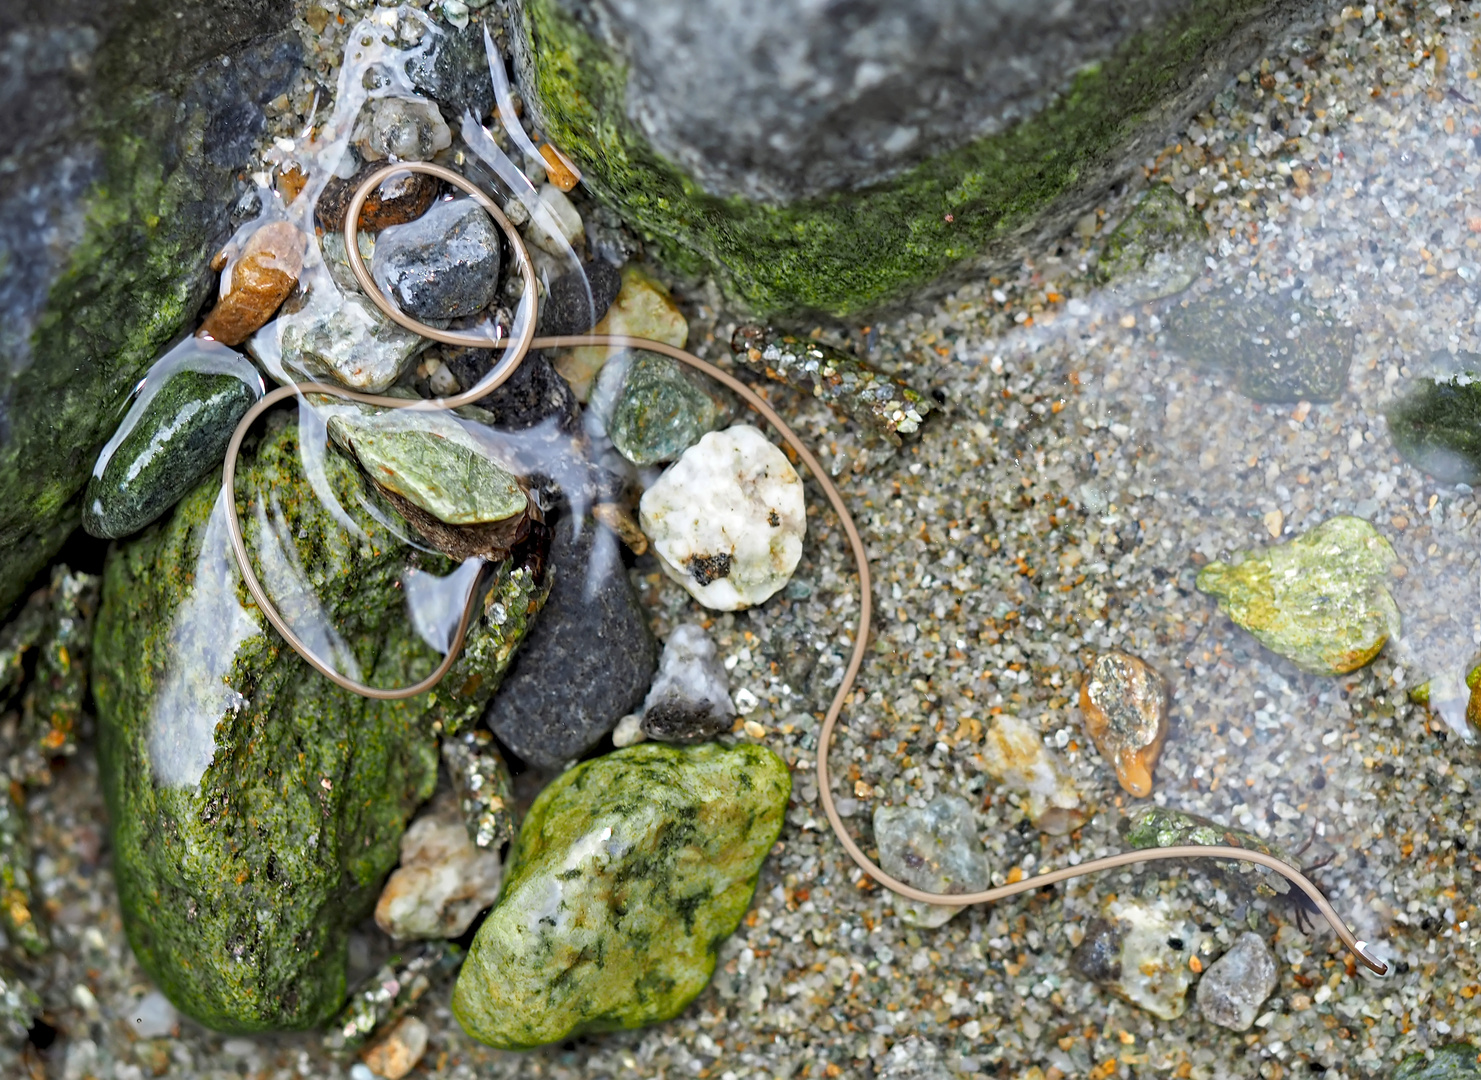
[(727, 519)]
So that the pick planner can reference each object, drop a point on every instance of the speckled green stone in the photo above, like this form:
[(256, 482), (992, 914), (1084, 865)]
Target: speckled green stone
[(432, 461), (256, 807), (181, 437), (1157, 250), (660, 412), (1160, 826), (1437, 427), (629, 872), (1319, 600), (1456, 1061)]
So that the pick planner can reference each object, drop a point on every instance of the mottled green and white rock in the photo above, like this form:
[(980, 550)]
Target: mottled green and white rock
[(1157, 250), (1139, 950), (1160, 826), (935, 848), (344, 339), (1437, 427), (660, 411), (1318, 600), (175, 433), (1455, 1061), (255, 806), (1277, 349), (628, 873), (431, 460)]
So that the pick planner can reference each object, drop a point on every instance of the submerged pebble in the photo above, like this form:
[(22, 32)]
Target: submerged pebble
[(1160, 826), (398, 1053), (1140, 952), (578, 299), (1015, 754), (642, 308), (444, 879), (587, 663), (399, 198), (384, 997), (690, 698), (1236, 985), (660, 410), (337, 261), (345, 339), (884, 404), (177, 438), (1437, 427), (935, 848), (482, 785), (1125, 705), (255, 285), (727, 519), (628, 873), (400, 129), (1318, 600), (1454, 1061), (444, 265), (453, 70), (1277, 349), (1157, 250)]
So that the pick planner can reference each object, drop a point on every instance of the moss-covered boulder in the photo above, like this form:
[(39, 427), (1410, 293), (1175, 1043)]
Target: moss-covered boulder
[(123, 145), (1454, 1061), (628, 873), (832, 157), (255, 806), (1318, 600)]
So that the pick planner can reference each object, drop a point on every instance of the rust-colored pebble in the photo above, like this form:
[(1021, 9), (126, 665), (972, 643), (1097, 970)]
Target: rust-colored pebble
[(260, 280), (1125, 706), (558, 169), (396, 200)]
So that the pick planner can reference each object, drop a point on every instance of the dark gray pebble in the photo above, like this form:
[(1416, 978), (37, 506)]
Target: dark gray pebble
[(567, 308), (444, 265)]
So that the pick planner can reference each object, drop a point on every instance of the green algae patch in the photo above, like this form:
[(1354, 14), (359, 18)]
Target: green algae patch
[(851, 250), (255, 806), (628, 873), (1437, 427), (1456, 1061), (1319, 600)]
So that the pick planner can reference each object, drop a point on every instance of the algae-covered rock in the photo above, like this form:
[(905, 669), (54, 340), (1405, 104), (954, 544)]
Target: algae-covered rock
[(1157, 250), (1318, 600), (1454, 1061), (255, 806), (1161, 826), (1277, 349), (628, 873), (1437, 427)]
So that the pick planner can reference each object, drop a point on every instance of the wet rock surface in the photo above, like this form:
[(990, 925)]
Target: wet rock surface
[(658, 411), (934, 848), (1276, 349), (690, 697), (454, 72), (641, 308), (1236, 984), (444, 879), (443, 265), (589, 660), (1320, 600), (400, 129), (727, 519), (211, 734), (396, 200), (620, 933), (345, 339), (178, 439), (578, 300), (1125, 706)]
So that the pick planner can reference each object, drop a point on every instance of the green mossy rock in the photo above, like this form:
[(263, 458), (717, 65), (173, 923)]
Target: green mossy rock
[(1457, 1061), (864, 245), (255, 806), (629, 872), (660, 412), (1319, 600), (1437, 427), (179, 437)]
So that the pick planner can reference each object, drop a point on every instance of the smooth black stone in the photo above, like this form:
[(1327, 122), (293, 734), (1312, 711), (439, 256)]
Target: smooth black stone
[(566, 309), (443, 265), (587, 663), (532, 395), (454, 72)]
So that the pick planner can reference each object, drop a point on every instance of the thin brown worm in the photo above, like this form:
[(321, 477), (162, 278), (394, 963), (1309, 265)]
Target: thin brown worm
[(856, 545)]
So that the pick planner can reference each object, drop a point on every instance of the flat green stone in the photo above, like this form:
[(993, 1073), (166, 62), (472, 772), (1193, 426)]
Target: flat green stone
[(1437, 427), (255, 806), (1157, 250), (660, 412), (1457, 1061), (179, 437), (1277, 350), (628, 873), (430, 460), (1319, 600)]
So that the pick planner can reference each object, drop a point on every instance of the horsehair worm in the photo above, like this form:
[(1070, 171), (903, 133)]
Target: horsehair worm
[(523, 340)]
